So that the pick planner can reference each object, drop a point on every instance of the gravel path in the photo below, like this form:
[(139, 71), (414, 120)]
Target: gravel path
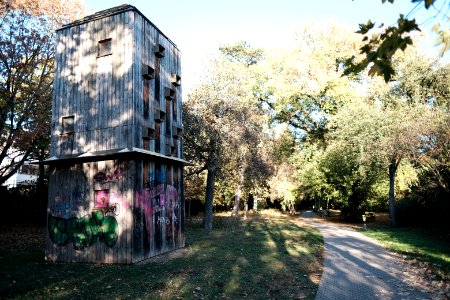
[(357, 267)]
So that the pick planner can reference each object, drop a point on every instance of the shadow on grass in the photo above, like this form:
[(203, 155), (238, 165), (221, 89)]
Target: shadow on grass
[(416, 243), (255, 258)]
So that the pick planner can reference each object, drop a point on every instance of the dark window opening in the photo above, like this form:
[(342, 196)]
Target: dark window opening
[(146, 98), (157, 137), (174, 110), (148, 72), (104, 47), (175, 148), (68, 124), (169, 93), (176, 80), (159, 116), (157, 79), (148, 133), (146, 144), (168, 118), (168, 150), (146, 174), (176, 131), (160, 175), (159, 50), (169, 174), (175, 177)]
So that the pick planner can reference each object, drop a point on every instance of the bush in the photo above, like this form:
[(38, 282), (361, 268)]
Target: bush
[(25, 204), (430, 208)]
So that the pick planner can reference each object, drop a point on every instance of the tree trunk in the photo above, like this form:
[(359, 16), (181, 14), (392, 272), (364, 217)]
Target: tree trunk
[(189, 210), (41, 178), (392, 171), (208, 216), (237, 197)]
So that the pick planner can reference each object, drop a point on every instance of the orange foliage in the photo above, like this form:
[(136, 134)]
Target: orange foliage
[(58, 11)]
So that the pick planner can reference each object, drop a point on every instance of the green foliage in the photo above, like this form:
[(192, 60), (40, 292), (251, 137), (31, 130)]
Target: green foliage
[(26, 72), (426, 202), (283, 146), (24, 204), (379, 50), (341, 134), (305, 85), (224, 125), (365, 135), (242, 52)]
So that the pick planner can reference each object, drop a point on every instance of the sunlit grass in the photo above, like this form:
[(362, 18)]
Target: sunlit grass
[(421, 244), (268, 255)]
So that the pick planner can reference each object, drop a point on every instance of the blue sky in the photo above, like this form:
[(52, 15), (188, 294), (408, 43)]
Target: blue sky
[(199, 27)]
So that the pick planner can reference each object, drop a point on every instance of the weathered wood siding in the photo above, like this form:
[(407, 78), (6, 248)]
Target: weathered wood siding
[(89, 212), (158, 210), (113, 106), (96, 90)]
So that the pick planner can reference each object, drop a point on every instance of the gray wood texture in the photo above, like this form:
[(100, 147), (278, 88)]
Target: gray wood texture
[(114, 211)]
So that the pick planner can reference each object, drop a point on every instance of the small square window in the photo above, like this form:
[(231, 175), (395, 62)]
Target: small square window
[(148, 133), (159, 116), (176, 80), (169, 93), (68, 124), (104, 47), (159, 50), (148, 72), (176, 131)]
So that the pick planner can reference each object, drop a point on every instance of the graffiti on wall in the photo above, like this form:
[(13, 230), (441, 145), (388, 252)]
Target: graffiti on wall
[(104, 177), (83, 232), (63, 203), (101, 198), (157, 199), (160, 206)]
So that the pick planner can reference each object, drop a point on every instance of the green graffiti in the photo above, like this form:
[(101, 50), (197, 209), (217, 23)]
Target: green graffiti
[(85, 231)]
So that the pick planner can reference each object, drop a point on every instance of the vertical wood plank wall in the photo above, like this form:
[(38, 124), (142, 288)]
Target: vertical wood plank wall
[(141, 214), (81, 228), (157, 215), (97, 91)]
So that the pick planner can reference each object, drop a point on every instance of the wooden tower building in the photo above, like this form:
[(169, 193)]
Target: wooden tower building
[(116, 166)]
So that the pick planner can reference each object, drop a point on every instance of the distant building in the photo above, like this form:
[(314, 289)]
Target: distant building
[(27, 175)]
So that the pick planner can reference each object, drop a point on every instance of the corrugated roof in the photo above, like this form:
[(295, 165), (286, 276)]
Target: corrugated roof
[(110, 12)]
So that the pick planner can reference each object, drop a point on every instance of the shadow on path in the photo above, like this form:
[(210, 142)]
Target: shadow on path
[(357, 267)]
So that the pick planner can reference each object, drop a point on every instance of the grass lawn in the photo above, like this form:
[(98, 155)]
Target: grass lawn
[(424, 245), (265, 256)]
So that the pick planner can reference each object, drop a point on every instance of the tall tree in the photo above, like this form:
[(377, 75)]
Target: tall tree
[(387, 136), (305, 84), (399, 123), (225, 123), (27, 49), (202, 147)]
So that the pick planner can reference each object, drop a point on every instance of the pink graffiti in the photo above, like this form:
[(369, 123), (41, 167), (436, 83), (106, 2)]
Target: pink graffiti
[(118, 198), (157, 199), (104, 177)]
